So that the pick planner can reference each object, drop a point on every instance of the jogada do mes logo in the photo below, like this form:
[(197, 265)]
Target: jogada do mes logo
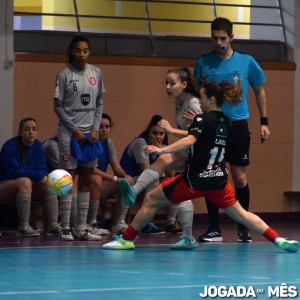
[(250, 292)]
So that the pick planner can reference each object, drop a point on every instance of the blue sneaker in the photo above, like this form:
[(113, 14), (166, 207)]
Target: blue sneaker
[(184, 244), (127, 191), (119, 244), (286, 245), (152, 229)]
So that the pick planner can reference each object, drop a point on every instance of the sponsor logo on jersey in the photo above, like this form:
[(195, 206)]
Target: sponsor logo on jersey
[(65, 157), (56, 93), (222, 131), (86, 109), (212, 173), (85, 99), (93, 81), (236, 79)]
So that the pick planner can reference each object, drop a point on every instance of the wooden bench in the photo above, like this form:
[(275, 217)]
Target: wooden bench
[(293, 197), (9, 215), (108, 209), (292, 194)]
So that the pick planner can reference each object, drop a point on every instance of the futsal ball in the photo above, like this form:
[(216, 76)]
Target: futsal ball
[(59, 182)]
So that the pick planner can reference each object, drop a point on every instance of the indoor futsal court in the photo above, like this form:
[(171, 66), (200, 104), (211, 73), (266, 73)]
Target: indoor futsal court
[(46, 268)]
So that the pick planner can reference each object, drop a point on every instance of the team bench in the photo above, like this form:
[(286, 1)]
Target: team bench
[(38, 219), (9, 215), (295, 195)]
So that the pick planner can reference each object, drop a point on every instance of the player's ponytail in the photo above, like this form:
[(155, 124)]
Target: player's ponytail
[(224, 91), (232, 92)]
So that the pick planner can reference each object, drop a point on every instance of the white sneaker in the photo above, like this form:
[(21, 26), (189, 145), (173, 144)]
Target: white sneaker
[(86, 235), (55, 231), (95, 229), (119, 244), (66, 235), (27, 231), (119, 228)]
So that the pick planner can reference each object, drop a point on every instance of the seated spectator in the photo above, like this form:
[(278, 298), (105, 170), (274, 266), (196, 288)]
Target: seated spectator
[(134, 160), (23, 174), (104, 184), (50, 147)]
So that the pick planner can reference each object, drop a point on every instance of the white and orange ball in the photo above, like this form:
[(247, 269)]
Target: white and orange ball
[(59, 182)]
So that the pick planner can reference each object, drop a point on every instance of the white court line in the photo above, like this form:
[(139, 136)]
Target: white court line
[(142, 288), (175, 274), (29, 292), (131, 272)]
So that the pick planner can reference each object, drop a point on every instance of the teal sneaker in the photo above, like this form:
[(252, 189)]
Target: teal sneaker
[(127, 191), (289, 246), (184, 244), (119, 244)]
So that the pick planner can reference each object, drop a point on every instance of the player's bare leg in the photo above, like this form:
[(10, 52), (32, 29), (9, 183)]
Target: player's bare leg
[(257, 225)]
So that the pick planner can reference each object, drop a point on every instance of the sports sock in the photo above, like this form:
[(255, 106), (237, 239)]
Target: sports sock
[(213, 215), (74, 210), (147, 178), (186, 214), (243, 196), (23, 207), (130, 233), (51, 207), (83, 201), (122, 210), (93, 211), (172, 213), (271, 235), (65, 210)]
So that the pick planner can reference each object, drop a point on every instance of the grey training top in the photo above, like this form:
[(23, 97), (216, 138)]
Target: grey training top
[(78, 98)]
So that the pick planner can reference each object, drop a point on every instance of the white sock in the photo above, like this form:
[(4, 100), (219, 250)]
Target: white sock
[(23, 207), (65, 210), (147, 178), (93, 211), (186, 214), (172, 213), (122, 210), (83, 201), (74, 210), (51, 208)]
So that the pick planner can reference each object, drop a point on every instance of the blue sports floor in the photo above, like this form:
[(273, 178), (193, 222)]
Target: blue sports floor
[(44, 268)]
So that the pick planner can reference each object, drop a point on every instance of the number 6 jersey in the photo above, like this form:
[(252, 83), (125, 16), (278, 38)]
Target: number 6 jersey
[(79, 91)]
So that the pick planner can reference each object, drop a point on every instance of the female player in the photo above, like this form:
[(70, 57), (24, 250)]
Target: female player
[(134, 161), (78, 104), (205, 173), (23, 174), (105, 185), (179, 86)]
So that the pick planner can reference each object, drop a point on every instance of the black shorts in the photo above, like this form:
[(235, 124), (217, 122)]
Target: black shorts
[(238, 144)]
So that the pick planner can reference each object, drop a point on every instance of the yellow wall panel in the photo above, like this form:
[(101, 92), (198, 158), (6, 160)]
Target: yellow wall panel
[(169, 11)]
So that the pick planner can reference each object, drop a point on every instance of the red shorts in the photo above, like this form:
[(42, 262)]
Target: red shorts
[(177, 190)]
